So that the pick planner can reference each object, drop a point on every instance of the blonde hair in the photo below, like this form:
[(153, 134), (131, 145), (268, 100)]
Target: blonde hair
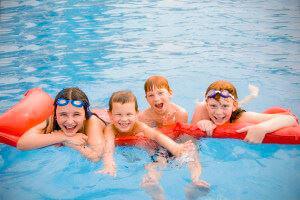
[(123, 97), (157, 82)]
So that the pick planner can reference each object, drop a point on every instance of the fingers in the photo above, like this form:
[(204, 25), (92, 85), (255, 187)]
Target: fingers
[(104, 171), (242, 130), (85, 137), (201, 183), (209, 132), (207, 126), (252, 140)]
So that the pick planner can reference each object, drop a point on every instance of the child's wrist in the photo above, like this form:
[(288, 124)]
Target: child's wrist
[(264, 128)]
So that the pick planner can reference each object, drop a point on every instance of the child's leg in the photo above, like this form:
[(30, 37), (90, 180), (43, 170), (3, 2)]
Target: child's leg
[(194, 165), (193, 192), (150, 182)]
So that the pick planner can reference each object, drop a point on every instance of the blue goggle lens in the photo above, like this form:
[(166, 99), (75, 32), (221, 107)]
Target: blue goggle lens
[(77, 103), (64, 102)]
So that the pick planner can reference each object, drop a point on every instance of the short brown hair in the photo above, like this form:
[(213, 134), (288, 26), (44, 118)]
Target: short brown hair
[(122, 97), (156, 82)]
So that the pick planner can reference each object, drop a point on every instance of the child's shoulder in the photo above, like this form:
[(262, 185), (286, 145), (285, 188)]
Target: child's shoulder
[(179, 109), (145, 114), (200, 106), (181, 115)]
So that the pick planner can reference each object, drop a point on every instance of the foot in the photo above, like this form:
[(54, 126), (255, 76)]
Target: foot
[(150, 184), (201, 183)]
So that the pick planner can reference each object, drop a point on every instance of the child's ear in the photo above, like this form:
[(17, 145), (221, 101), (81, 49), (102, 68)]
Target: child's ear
[(235, 105), (110, 115)]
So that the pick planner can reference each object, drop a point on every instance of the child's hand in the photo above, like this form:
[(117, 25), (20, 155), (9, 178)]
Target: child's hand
[(79, 139), (108, 170), (186, 152), (255, 133), (187, 147), (201, 183), (206, 126)]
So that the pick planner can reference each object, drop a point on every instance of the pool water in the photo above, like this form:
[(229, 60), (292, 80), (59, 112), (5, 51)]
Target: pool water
[(107, 46)]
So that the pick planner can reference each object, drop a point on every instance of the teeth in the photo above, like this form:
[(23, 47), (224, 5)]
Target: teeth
[(124, 124), (70, 127), (159, 105)]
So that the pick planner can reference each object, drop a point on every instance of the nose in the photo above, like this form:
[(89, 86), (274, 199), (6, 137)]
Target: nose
[(156, 97), (69, 120), (123, 117), (219, 110)]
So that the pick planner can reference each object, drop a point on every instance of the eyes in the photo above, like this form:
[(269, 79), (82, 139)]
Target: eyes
[(65, 114), (120, 115), (222, 106), (152, 94)]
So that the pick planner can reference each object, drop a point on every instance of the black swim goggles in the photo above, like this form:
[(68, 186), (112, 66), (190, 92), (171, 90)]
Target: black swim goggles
[(64, 102), (222, 93)]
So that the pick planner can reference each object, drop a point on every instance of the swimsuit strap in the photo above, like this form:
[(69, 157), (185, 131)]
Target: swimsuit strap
[(106, 123)]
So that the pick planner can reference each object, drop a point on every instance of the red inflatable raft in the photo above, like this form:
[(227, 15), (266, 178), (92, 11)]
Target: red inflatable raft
[(33, 109), (37, 106), (288, 135)]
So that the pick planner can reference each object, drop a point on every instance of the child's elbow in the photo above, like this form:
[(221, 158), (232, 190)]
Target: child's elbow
[(22, 145)]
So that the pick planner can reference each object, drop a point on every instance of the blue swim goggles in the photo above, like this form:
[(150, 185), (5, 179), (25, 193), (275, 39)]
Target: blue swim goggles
[(64, 102), (222, 93)]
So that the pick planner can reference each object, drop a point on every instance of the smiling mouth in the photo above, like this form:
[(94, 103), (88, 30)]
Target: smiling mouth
[(124, 124), (159, 105), (70, 128)]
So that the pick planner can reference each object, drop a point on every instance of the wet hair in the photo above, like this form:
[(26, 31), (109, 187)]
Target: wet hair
[(222, 85), (156, 82), (123, 97), (226, 85), (72, 93)]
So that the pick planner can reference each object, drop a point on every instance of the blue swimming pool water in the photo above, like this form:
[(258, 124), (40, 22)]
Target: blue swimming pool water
[(106, 46)]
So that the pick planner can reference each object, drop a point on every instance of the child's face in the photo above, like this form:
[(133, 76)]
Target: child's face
[(70, 118), (123, 116), (159, 99), (220, 111)]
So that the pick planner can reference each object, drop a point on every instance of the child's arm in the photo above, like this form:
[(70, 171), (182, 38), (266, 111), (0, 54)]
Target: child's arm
[(94, 149), (264, 123), (202, 120), (182, 115), (94, 131), (108, 156), (200, 113), (207, 126), (175, 148), (85, 150), (35, 138), (196, 170)]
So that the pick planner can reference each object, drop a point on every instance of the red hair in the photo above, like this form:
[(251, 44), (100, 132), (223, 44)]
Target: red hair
[(226, 85), (157, 82), (222, 85)]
